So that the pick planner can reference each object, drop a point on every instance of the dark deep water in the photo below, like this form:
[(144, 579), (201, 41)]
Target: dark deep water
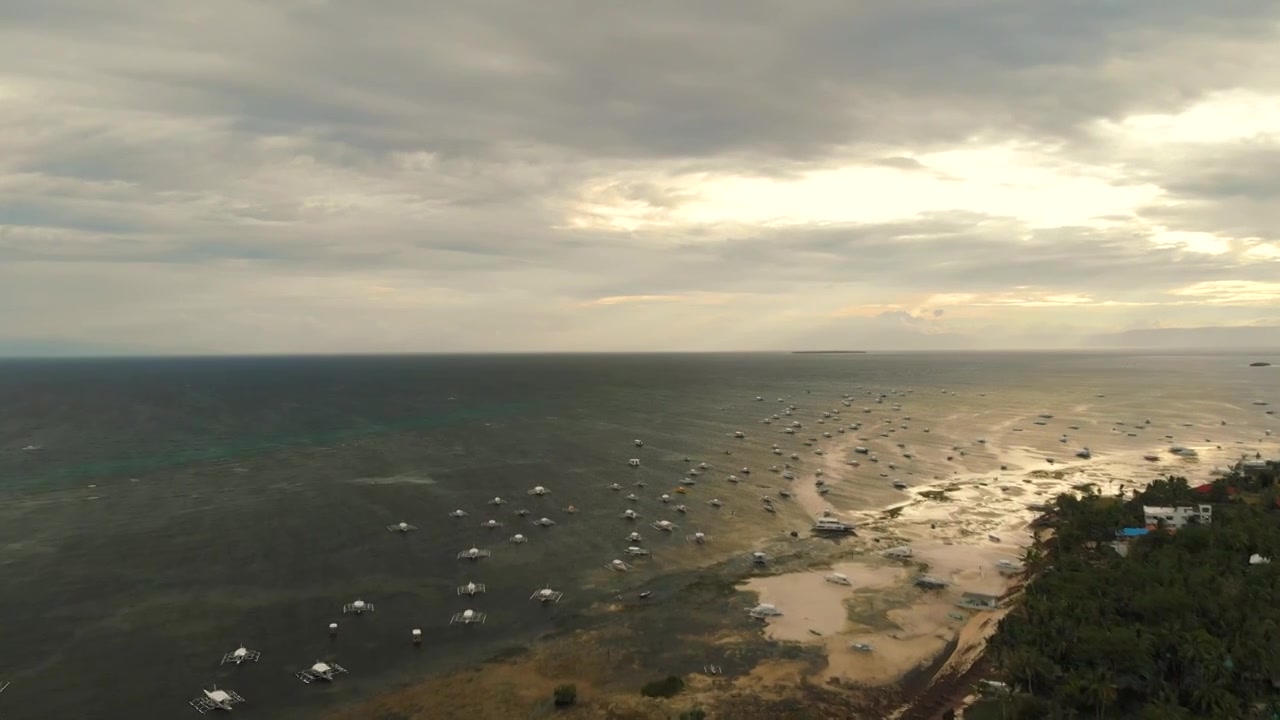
[(178, 507)]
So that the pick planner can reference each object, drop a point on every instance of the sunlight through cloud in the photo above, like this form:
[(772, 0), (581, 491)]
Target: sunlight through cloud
[(1026, 184)]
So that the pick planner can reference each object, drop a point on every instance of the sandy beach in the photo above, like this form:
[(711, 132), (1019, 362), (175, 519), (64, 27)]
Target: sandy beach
[(959, 524), (966, 508)]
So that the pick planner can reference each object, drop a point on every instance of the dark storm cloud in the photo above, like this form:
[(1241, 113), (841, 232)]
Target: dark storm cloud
[(668, 78), (1234, 191)]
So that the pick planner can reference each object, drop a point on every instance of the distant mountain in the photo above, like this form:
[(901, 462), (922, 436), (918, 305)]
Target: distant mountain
[(1214, 338)]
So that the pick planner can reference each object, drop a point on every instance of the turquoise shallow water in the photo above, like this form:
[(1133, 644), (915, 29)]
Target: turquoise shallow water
[(176, 508)]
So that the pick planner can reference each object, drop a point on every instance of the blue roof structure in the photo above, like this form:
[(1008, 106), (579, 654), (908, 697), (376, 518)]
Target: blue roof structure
[(1132, 532)]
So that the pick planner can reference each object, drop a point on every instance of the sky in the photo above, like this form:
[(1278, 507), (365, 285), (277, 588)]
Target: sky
[(332, 176)]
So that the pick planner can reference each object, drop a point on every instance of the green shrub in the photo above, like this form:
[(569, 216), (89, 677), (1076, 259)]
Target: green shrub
[(695, 714), (666, 687), (566, 695)]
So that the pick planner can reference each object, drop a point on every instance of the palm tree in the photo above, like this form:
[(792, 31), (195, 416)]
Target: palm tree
[(1182, 628), (1212, 700), (1165, 709), (1033, 558), (1101, 691)]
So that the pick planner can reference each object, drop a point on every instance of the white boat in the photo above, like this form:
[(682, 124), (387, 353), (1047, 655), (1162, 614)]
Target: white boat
[(838, 579), (764, 610), (1006, 566), (832, 525), (214, 699)]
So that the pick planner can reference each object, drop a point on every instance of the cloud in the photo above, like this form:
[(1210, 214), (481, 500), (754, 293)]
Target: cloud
[(324, 175), (1233, 292), (696, 298)]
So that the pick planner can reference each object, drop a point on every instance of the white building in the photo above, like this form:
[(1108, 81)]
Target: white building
[(1176, 517)]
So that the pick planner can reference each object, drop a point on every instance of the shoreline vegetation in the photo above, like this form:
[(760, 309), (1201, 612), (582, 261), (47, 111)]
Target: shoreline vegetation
[(1168, 624)]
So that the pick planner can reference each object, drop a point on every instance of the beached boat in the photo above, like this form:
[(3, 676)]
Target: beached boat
[(764, 610), (833, 526)]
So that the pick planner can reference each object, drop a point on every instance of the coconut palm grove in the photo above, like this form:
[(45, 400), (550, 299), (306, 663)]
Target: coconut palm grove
[(1174, 624)]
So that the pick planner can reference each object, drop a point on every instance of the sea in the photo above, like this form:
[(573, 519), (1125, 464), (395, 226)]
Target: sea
[(156, 514)]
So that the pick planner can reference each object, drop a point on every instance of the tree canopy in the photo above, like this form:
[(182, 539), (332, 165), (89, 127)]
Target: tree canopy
[(1183, 626)]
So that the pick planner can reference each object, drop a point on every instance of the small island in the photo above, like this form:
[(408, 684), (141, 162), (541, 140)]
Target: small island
[(1259, 364), (828, 352)]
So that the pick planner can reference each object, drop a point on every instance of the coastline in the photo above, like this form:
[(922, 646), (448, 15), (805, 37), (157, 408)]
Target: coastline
[(926, 649), (918, 637), (849, 681)]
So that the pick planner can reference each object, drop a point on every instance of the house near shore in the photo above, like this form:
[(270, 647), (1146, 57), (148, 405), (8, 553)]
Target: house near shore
[(1207, 488), (1174, 518), (1253, 466), (1124, 536), (928, 582)]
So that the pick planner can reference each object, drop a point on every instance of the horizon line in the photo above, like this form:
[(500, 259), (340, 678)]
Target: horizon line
[(475, 353)]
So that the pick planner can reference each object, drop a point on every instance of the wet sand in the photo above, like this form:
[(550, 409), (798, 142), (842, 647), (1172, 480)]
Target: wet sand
[(959, 524), (965, 510)]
